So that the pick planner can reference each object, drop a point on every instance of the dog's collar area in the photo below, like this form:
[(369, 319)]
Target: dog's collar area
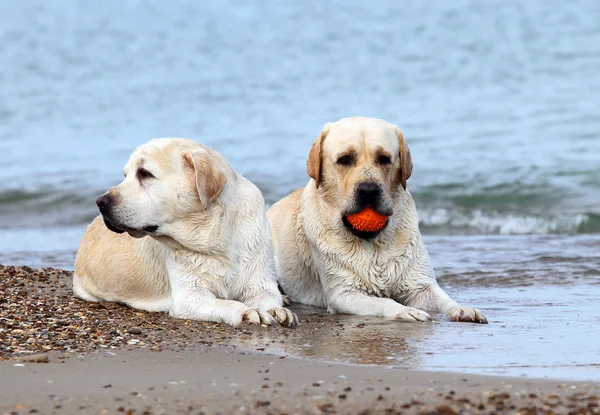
[(367, 236)]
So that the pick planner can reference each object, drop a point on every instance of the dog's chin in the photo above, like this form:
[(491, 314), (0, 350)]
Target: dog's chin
[(365, 235), (111, 226), (135, 233)]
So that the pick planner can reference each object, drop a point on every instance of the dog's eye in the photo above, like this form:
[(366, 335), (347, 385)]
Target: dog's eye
[(144, 174), (345, 160), (384, 160)]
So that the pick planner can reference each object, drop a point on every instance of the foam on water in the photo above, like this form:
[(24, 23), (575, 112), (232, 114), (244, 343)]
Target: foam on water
[(56, 207), (443, 220)]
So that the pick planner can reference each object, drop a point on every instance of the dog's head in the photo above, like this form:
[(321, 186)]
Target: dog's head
[(166, 180), (360, 162)]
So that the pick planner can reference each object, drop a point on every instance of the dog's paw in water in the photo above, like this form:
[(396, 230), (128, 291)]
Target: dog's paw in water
[(284, 317), (274, 316), (257, 317), (467, 315), (412, 314)]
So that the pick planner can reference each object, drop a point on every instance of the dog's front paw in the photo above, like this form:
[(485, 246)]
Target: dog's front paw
[(284, 317), (467, 314), (257, 317), (412, 314)]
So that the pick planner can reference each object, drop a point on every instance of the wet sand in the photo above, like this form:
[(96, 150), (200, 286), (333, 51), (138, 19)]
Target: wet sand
[(225, 380), (62, 354)]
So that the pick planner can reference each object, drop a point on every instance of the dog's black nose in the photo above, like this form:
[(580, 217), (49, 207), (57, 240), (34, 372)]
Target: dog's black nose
[(104, 202), (368, 192)]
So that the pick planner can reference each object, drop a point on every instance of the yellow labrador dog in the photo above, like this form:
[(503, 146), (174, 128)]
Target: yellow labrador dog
[(321, 260), (182, 233)]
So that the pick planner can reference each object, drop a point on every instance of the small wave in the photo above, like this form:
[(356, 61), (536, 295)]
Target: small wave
[(63, 207), (478, 221), (44, 199), (49, 207), (504, 196)]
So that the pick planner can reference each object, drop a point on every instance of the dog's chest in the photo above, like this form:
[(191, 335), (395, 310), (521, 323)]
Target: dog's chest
[(381, 274)]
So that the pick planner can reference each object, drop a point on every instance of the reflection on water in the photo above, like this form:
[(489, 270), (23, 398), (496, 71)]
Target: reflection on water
[(352, 339), (533, 332), (540, 294)]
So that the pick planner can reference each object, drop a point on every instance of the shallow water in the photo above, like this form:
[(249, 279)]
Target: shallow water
[(498, 102), (539, 292), (543, 315), (533, 332)]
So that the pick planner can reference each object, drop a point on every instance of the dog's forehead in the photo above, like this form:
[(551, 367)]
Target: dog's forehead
[(361, 136), (157, 153)]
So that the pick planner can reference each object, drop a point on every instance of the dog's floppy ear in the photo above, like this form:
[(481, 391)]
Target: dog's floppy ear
[(314, 162), (210, 181), (406, 165)]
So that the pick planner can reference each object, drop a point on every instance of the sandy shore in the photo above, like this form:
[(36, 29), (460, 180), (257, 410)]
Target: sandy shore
[(225, 380), (63, 355)]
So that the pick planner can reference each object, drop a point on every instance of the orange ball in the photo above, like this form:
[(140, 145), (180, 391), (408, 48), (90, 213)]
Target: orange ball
[(367, 220)]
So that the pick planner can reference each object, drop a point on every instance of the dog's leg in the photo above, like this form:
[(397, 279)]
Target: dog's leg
[(257, 283), (434, 299), (81, 292), (353, 302), (194, 298), (260, 292), (201, 304)]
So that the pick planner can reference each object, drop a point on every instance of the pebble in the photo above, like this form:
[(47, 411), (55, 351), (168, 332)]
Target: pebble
[(40, 315)]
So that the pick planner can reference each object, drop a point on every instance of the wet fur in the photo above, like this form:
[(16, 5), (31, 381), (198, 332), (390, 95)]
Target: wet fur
[(210, 257), (319, 262)]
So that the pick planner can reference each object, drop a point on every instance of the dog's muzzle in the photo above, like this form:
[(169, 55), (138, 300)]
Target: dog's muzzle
[(368, 194), (105, 203)]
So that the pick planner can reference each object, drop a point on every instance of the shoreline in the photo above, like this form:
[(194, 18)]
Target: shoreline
[(64, 355), (226, 380)]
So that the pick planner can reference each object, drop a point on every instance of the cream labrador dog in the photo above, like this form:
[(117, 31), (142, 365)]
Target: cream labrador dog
[(323, 261), (182, 233)]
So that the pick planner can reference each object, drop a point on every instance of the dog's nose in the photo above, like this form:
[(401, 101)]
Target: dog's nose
[(368, 191), (104, 202)]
